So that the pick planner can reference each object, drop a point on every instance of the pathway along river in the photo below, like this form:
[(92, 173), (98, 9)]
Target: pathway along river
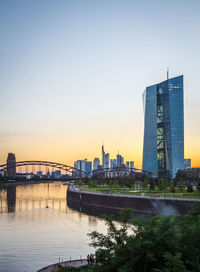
[(33, 236)]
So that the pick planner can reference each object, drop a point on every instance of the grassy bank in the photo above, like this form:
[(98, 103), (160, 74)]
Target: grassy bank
[(140, 191)]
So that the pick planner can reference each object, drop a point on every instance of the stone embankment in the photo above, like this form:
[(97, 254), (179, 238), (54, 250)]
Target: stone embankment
[(55, 267), (140, 204)]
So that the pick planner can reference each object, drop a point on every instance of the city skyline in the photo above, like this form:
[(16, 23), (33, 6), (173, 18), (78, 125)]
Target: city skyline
[(72, 75)]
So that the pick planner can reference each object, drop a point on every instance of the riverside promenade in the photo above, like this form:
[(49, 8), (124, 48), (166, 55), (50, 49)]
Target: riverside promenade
[(55, 267), (149, 205)]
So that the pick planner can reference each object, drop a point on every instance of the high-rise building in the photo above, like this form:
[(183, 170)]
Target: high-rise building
[(187, 163), (131, 164), (83, 165), (88, 166), (96, 163), (107, 159), (80, 165), (103, 156), (163, 148), (113, 163), (127, 164), (120, 160), (11, 166)]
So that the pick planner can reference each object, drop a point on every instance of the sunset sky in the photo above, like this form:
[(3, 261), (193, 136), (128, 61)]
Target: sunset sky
[(72, 74)]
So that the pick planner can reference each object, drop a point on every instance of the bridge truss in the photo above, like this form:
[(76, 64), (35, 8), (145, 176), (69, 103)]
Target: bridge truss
[(64, 167)]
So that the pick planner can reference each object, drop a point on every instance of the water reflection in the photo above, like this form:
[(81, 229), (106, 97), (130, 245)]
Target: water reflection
[(11, 198), (33, 236), (29, 197)]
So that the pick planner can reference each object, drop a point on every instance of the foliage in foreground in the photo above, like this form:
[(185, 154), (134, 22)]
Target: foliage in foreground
[(166, 243)]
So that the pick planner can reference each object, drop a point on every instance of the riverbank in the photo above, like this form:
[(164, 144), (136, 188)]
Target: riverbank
[(55, 267), (140, 204), (138, 191)]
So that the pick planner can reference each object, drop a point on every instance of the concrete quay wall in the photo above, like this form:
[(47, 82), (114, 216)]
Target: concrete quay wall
[(139, 204), (55, 267)]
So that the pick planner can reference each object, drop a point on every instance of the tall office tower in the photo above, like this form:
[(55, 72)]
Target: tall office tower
[(113, 163), (163, 148), (82, 165), (131, 164), (120, 160), (187, 163), (107, 158), (11, 166), (103, 157), (88, 166), (96, 163), (127, 164)]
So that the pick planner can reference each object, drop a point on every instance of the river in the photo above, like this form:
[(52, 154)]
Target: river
[(37, 227)]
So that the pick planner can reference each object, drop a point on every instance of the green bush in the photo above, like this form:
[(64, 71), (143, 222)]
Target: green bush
[(190, 188), (92, 183), (162, 243)]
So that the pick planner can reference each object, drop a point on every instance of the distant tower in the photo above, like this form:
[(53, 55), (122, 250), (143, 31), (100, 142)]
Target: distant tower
[(107, 159), (96, 163), (131, 164), (167, 73), (103, 156), (11, 166)]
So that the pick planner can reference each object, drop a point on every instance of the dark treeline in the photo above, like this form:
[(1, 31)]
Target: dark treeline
[(146, 183)]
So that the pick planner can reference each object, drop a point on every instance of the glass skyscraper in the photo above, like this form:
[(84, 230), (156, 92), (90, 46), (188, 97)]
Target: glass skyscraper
[(163, 147)]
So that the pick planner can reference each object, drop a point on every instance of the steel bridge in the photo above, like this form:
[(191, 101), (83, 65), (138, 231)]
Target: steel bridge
[(69, 169), (64, 167)]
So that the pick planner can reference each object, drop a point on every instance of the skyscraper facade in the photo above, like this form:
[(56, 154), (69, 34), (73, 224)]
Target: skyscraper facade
[(103, 156), (113, 163), (120, 160), (96, 163), (131, 164), (83, 165), (163, 148), (88, 167), (107, 159)]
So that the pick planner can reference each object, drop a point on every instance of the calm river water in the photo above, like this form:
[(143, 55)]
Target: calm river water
[(33, 236)]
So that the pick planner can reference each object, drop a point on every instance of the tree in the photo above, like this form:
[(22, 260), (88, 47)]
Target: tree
[(181, 186), (92, 183), (198, 186), (145, 184), (152, 184), (162, 185), (165, 244), (190, 188), (112, 244), (180, 175), (79, 182), (110, 183), (172, 187)]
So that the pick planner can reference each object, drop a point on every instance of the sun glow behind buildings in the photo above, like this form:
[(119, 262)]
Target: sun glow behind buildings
[(72, 75)]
